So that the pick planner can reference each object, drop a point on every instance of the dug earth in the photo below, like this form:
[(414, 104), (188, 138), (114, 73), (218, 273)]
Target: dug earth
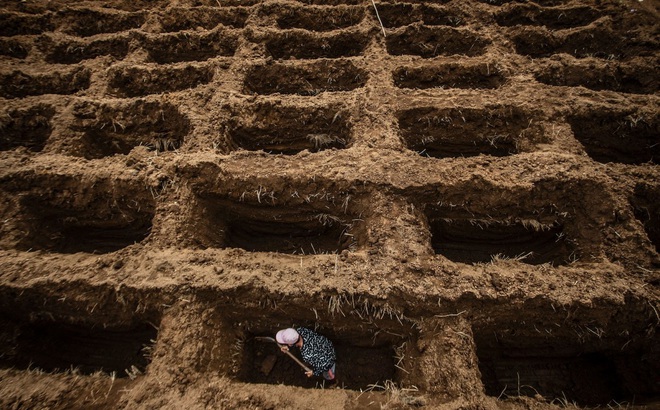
[(462, 195)]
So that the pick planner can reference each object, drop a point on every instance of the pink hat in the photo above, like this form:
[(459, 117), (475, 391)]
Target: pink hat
[(287, 336)]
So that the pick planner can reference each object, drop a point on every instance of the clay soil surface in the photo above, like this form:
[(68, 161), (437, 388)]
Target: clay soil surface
[(464, 199)]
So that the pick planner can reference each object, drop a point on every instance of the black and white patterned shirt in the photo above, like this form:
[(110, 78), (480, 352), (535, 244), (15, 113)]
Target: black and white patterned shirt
[(317, 351)]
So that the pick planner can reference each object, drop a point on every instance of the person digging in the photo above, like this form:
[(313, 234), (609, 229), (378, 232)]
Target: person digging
[(316, 350)]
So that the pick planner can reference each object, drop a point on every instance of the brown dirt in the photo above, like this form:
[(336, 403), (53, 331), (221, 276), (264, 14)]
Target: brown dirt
[(468, 206)]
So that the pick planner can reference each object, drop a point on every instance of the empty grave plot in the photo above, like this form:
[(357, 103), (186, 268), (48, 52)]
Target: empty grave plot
[(260, 227), (305, 45), (101, 130), (88, 22), (14, 48), (72, 219), (184, 18), (135, 81), (329, 2), (601, 42), (305, 79), (637, 76), (478, 75), (75, 51), (564, 369), (646, 208), (402, 14), (552, 18), (289, 130), (628, 138), (471, 238), (183, 46), (29, 128), (429, 42), (320, 18), (465, 132), (58, 347), (17, 24), (226, 3), (19, 84), (545, 3)]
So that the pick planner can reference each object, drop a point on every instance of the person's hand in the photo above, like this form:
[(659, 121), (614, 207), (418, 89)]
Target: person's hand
[(309, 373), (284, 348)]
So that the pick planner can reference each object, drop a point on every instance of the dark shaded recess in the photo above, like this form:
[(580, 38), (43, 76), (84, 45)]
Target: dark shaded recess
[(474, 241), (462, 132), (26, 128), (308, 45), (476, 76), (87, 22), (563, 370), (179, 47), (424, 2), (640, 77), (60, 347), (138, 81), (646, 207), (597, 42), (397, 14), (184, 18), (436, 16), (108, 130), (262, 228), (299, 235), (223, 3), (38, 7), (13, 48), (12, 24), (310, 79), (97, 228), (545, 3), (72, 52), (18, 84), (617, 137), (320, 18), (403, 14), (430, 42), (290, 130), (358, 367), (553, 18), (330, 2)]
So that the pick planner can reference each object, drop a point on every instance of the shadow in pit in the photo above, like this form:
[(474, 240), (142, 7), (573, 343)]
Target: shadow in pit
[(290, 130), (619, 137), (59, 347), (103, 130), (465, 132), (466, 236), (300, 230), (564, 371), (65, 215), (646, 208), (29, 128)]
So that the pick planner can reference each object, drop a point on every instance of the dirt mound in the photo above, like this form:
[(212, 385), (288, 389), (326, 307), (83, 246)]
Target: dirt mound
[(462, 195)]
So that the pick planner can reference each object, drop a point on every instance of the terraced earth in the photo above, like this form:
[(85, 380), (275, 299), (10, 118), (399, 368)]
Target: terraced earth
[(464, 196)]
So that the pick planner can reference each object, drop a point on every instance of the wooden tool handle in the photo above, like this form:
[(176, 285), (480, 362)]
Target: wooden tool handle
[(307, 369)]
